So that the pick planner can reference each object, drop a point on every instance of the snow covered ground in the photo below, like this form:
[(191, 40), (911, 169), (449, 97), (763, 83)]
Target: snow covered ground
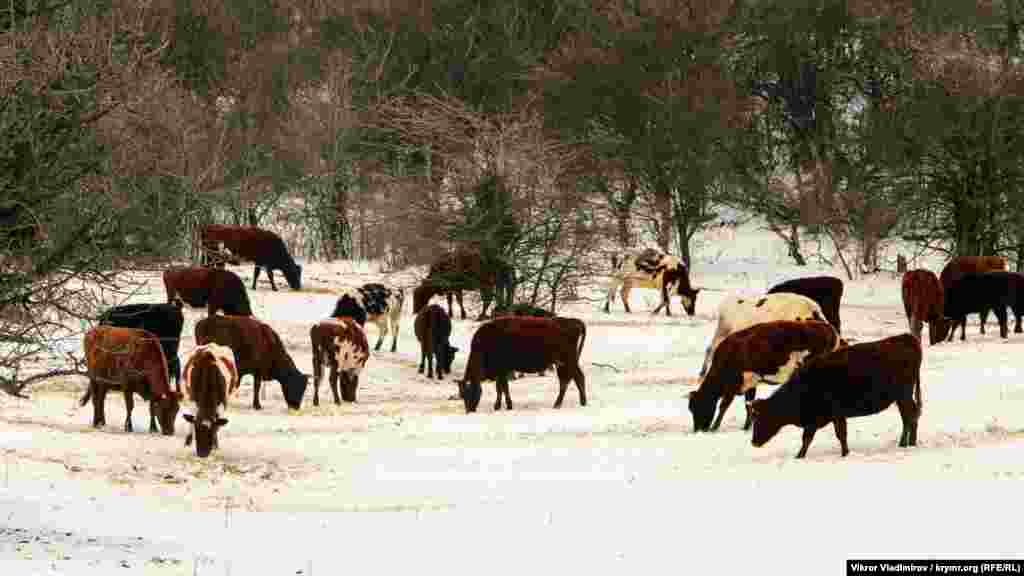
[(405, 480)]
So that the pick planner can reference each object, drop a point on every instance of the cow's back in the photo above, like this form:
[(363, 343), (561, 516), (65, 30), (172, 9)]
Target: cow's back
[(514, 343), (957, 267), (826, 291)]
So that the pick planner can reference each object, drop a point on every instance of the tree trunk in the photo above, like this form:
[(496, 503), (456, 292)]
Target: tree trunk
[(663, 207)]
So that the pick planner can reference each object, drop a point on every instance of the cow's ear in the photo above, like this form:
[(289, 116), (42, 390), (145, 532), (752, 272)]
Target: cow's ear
[(221, 421), (189, 418)]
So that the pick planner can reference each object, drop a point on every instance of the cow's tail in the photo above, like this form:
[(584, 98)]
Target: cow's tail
[(917, 393), (583, 338), (317, 357)]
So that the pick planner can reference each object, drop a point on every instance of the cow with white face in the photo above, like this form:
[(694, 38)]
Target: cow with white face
[(655, 270), (738, 312), (339, 344), (210, 376)]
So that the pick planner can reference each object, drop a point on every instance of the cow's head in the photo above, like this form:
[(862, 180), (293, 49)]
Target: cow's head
[(688, 296), (447, 357), (293, 274), (702, 407), (349, 382), (294, 388), (470, 393), (205, 430), (765, 425), (166, 409), (938, 329)]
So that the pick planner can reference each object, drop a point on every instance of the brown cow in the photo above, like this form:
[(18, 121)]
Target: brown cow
[(957, 267), (852, 381), (433, 329), (133, 361), (526, 344), (210, 377), (466, 270), (770, 349), (262, 247), (258, 351), (923, 297), (211, 287), (340, 344)]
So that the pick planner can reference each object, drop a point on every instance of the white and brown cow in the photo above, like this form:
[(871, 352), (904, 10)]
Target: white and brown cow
[(210, 377), (377, 303), (655, 270), (738, 312), (340, 344)]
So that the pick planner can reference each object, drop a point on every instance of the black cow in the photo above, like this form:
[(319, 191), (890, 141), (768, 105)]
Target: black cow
[(163, 320), (827, 291), (977, 293), (433, 329), (852, 381)]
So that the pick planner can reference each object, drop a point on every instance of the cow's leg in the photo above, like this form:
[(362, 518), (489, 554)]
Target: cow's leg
[(723, 405), (982, 318), (563, 384), (431, 356), (318, 373), (334, 383), (610, 296), (270, 276), (508, 396), (129, 405), (916, 326), (665, 302), (749, 396), (1016, 326), (626, 287), (839, 423), (806, 441), (396, 318), (256, 393), (451, 314), (99, 395), (1004, 330), (909, 413), (462, 309), (486, 295), (152, 417), (382, 330), (423, 358), (581, 385), (255, 275), (963, 329)]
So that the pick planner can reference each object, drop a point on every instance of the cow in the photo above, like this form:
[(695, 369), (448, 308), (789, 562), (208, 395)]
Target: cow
[(340, 344), (979, 293), (251, 244), (857, 380), (769, 351), (259, 351), (521, 309), (923, 301), (738, 312), (130, 360), (163, 320), (210, 378), (464, 269), (827, 291), (376, 303), (211, 287), (526, 344), (960, 265), (653, 269), (433, 329)]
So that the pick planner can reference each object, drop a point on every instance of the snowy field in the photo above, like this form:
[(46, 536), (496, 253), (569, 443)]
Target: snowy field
[(404, 480)]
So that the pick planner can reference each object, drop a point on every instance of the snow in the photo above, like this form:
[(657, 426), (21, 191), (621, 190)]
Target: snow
[(405, 480)]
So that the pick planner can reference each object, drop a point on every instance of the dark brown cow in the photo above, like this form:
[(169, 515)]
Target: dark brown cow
[(258, 351), (210, 377), (923, 297), (769, 352), (433, 329), (466, 270), (130, 360), (526, 344), (211, 287), (957, 267), (853, 381), (980, 293), (251, 244), (827, 291), (340, 344)]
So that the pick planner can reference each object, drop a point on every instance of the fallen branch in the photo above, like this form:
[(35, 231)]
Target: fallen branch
[(14, 387), (599, 364)]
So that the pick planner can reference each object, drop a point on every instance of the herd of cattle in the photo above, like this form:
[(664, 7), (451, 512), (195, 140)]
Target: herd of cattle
[(789, 337)]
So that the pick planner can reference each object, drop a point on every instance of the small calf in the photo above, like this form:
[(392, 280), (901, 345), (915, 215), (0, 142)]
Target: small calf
[(433, 329), (341, 345)]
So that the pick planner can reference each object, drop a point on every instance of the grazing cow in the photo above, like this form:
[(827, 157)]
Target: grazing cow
[(163, 320), (211, 287), (653, 269), (259, 351), (210, 377), (433, 329), (979, 293), (957, 267), (130, 360), (827, 291), (467, 270), (261, 247), (738, 312), (521, 309), (923, 298), (340, 344), (374, 302), (767, 350), (852, 381), (526, 344)]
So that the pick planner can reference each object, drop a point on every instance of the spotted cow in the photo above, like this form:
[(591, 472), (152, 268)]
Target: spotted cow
[(377, 303), (210, 378), (340, 345), (655, 270)]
